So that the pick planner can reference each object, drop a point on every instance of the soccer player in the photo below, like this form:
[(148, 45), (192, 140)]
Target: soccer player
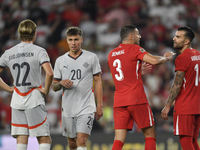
[(185, 91), (130, 102), (25, 60), (74, 72)]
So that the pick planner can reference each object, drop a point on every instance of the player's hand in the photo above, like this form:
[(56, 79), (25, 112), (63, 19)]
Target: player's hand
[(146, 68), (169, 55), (42, 91), (99, 112), (165, 111), (11, 89), (66, 83)]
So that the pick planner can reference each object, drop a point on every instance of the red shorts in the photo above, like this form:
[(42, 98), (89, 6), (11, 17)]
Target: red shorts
[(187, 125), (124, 117)]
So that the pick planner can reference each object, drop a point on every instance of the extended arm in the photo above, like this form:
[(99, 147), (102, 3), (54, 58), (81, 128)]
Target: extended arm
[(99, 96), (174, 91), (157, 60), (4, 86)]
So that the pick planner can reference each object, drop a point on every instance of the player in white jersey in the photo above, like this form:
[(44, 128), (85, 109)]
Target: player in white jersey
[(25, 61), (74, 72)]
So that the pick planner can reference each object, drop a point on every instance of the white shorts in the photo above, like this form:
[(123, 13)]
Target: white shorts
[(73, 125), (32, 122)]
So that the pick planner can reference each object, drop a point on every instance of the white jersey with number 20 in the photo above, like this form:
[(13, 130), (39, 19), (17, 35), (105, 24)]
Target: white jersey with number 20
[(79, 99)]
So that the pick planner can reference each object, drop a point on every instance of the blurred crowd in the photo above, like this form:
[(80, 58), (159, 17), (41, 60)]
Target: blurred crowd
[(100, 20)]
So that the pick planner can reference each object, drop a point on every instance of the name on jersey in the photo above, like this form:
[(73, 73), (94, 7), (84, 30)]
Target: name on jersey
[(118, 53), (18, 55), (195, 58)]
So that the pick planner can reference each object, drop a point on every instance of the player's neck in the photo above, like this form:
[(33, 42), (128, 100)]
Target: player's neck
[(75, 54), (184, 48), (27, 41)]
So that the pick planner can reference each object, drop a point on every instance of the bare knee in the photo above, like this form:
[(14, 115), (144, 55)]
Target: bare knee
[(149, 131), (72, 143), (120, 134), (22, 139), (44, 139), (82, 139)]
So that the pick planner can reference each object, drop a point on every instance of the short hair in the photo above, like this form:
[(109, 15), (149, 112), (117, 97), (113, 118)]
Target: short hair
[(74, 31), (27, 29), (189, 33), (126, 30)]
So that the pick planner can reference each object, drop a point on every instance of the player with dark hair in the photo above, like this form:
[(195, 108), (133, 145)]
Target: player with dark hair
[(130, 102), (185, 91), (25, 60), (74, 72)]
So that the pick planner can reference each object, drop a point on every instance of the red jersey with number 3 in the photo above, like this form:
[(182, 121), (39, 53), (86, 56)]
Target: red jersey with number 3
[(125, 66), (188, 100)]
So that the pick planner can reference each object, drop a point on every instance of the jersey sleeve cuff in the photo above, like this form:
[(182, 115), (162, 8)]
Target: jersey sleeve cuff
[(97, 73)]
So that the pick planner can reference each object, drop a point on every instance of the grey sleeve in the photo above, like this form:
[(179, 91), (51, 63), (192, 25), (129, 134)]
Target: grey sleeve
[(57, 71), (96, 68), (43, 57)]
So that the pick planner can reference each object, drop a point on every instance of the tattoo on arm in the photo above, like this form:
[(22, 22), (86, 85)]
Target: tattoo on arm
[(57, 86), (176, 87)]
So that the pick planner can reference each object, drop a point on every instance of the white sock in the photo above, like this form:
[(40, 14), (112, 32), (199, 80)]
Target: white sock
[(21, 146), (81, 148), (45, 146)]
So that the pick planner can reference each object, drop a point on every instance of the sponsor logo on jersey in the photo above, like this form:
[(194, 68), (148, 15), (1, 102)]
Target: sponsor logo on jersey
[(85, 64), (118, 53), (142, 50), (47, 56), (66, 66)]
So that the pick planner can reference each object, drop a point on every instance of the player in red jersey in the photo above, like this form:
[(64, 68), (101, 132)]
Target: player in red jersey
[(130, 102), (185, 91)]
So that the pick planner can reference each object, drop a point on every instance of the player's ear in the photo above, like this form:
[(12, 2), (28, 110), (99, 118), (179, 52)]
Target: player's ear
[(81, 40), (187, 41), (131, 37)]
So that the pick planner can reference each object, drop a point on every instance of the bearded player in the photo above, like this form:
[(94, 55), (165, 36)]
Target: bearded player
[(185, 91)]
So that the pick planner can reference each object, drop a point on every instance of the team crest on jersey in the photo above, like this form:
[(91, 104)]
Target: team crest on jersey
[(47, 56), (85, 64), (142, 50)]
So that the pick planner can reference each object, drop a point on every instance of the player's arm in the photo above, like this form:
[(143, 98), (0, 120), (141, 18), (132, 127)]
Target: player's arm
[(99, 96), (146, 68), (156, 60), (48, 78), (174, 91), (5, 86), (57, 85)]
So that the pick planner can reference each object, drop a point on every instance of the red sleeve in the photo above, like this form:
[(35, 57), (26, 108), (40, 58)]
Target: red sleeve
[(139, 52), (181, 63)]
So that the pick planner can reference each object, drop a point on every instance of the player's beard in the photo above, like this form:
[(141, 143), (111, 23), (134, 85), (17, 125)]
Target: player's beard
[(178, 47)]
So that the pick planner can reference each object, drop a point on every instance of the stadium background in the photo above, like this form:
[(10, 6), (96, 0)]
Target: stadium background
[(100, 20)]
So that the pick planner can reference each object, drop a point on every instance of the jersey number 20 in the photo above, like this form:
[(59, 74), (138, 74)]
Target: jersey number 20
[(117, 64)]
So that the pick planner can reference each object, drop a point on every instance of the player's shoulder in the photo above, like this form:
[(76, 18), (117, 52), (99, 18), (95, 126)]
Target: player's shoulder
[(63, 56), (37, 48), (88, 53), (12, 48)]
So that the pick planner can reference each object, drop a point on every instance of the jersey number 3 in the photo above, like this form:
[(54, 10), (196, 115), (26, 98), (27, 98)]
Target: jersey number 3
[(117, 64)]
